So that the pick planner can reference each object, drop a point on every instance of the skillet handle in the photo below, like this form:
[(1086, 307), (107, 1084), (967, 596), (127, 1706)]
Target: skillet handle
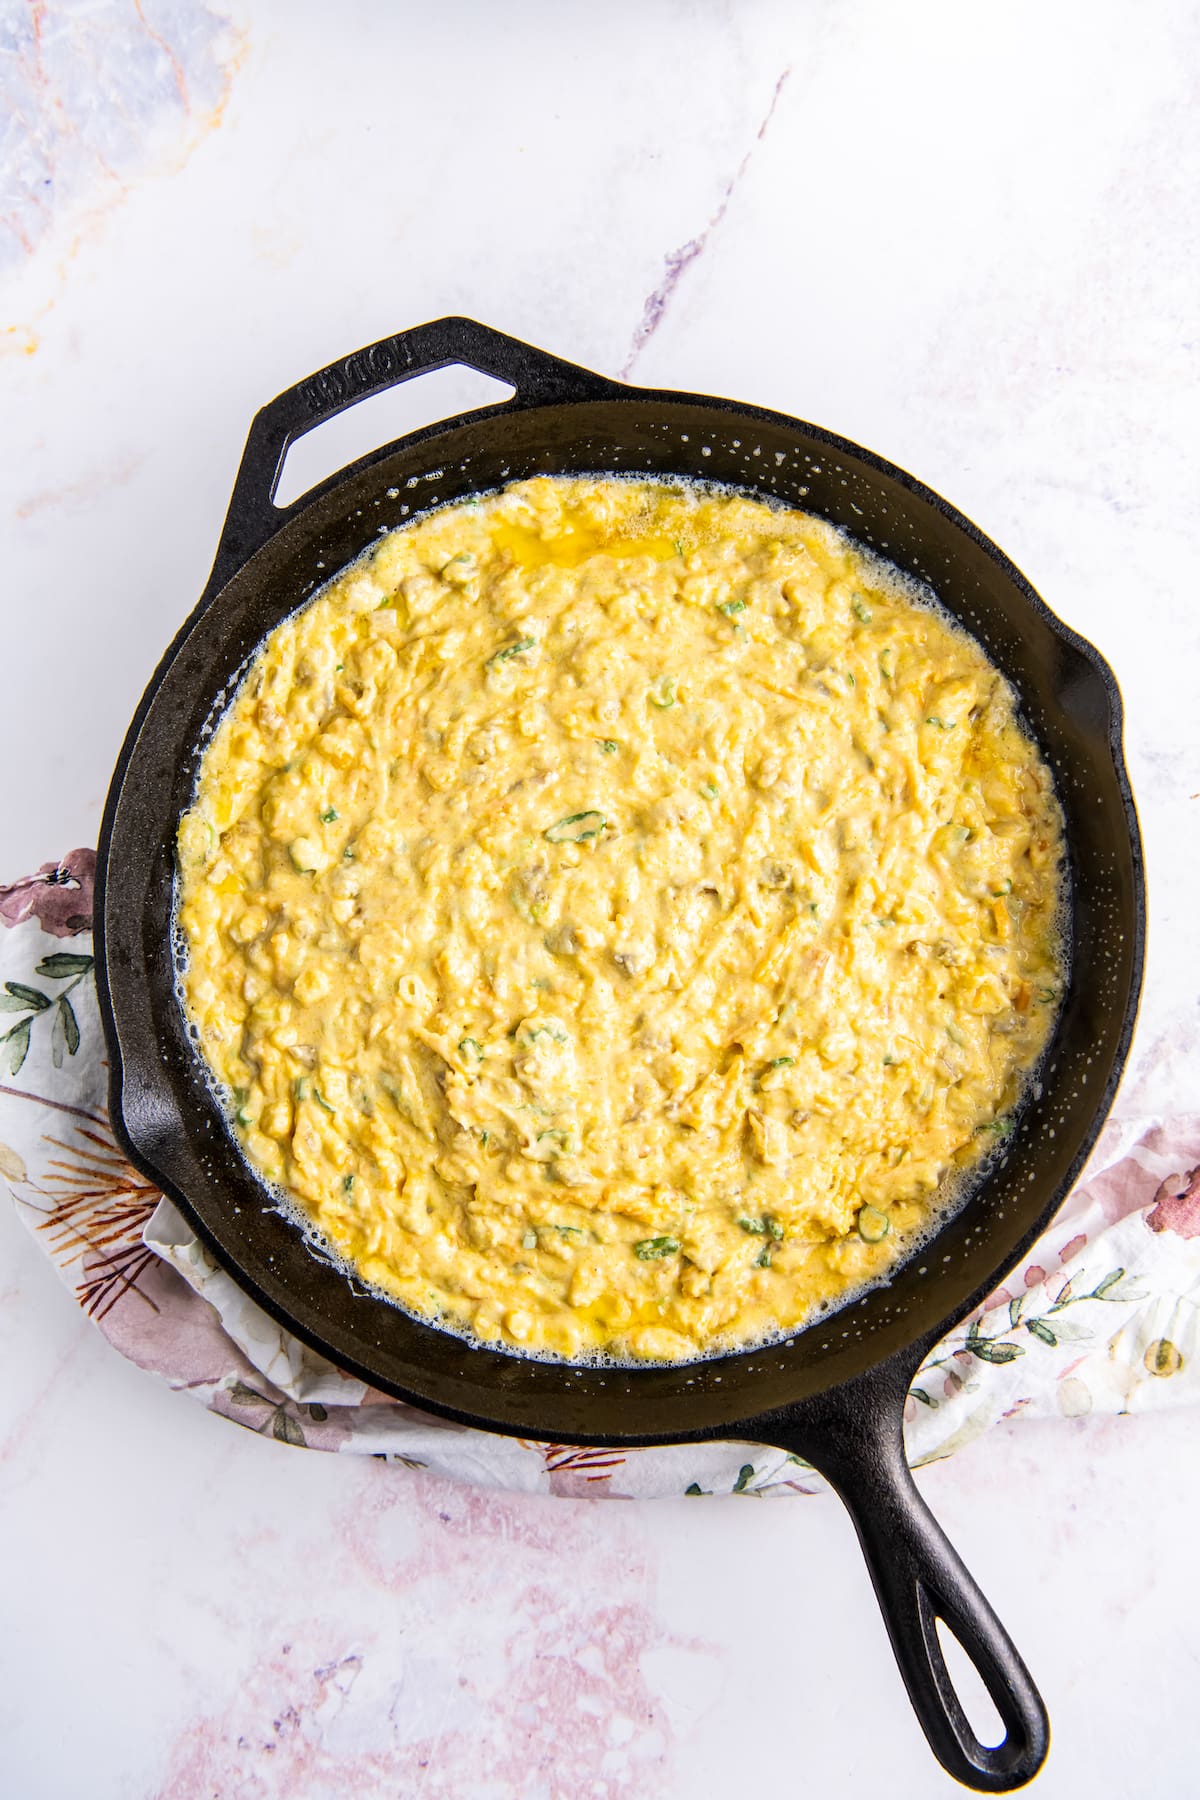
[(853, 1436), (253, 517)]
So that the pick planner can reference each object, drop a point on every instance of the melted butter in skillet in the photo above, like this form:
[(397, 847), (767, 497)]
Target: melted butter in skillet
[(617, 912)]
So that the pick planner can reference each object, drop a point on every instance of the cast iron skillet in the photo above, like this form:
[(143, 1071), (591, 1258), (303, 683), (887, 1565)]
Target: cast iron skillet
[(834, 1393)]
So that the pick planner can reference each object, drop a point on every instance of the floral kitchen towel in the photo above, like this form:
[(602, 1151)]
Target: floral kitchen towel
[(1101, 1317)]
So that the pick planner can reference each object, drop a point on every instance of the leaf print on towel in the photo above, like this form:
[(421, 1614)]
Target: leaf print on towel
[(1050, 1329), (573, 1468), (96, 1207), (21, 996), (59, 896), (281, 1422), (991, 1350), (1047, 1328), (997, 1349), (746, 1482)]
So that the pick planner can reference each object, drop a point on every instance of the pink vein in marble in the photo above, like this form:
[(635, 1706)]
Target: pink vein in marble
[(90, 97), (445, 1642), (678, 262)]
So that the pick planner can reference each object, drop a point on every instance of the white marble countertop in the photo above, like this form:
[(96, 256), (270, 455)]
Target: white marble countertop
[(965, 238)]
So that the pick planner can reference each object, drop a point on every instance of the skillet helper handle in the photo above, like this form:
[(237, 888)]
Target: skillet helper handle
[(253, 517), (857, 1444)]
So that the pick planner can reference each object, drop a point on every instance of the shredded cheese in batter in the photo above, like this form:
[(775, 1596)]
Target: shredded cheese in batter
[(617, 914)]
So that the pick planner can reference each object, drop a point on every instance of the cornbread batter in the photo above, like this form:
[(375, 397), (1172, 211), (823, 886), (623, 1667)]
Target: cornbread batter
[(618, 915)]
